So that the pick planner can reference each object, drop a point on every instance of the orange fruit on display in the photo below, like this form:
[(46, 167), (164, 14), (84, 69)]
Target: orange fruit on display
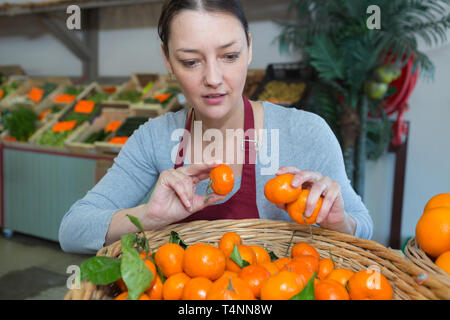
[(281, 262), (309, 261), (369, 285), (204, 260), (196, 288), (155, 293), (304, 249), (229, 273), (296, 209), (433, 231), (279, 190), (230, 288), (326, 265), (124, 296), (271, 267), (254, 276), (330, 290), (227, 242), (439, 200), (341, 275), (262, 255), (174, 285), (246, 253), (151, 266), (282, 286), (169, 258), (303, 271), (222, 179), (443, 262)]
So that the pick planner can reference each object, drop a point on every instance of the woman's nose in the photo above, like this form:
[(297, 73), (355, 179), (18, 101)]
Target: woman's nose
[(213, 75)]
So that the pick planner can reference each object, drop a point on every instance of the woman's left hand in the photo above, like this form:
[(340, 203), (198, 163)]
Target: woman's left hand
[(332, 214)]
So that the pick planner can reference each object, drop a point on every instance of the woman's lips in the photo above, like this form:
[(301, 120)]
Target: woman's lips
[(214, 99)]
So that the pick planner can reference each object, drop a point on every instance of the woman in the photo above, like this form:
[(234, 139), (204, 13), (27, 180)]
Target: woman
[(207, 47)]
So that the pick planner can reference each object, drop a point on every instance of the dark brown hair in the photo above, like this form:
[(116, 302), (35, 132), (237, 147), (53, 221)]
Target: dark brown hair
[(172, 7)]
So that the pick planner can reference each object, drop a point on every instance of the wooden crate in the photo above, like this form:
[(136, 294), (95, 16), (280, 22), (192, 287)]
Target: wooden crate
[(106, 148), (90, 90), (158, 108), (75, 142), (143, 79), (50, 102), (20, 95), (4, 102), (6, 138)]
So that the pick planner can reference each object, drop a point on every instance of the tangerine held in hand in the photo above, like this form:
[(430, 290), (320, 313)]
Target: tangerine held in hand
[(279, 190), (222, 179), (296, 209)]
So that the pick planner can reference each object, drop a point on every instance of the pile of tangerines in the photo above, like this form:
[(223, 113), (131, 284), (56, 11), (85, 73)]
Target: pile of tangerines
[(433, 230), (206, 272)]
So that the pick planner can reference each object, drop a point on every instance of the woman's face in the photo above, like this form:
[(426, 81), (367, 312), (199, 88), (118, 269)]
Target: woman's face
[(209, 55)]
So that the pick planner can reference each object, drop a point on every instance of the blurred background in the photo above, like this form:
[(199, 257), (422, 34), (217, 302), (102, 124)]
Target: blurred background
[(377, 71)]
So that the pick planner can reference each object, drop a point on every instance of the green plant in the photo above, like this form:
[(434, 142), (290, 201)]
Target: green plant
[(355, 64), (21, 122)]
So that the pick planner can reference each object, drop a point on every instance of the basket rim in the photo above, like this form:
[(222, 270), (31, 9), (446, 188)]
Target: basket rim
[(401, 271), (416, 254)]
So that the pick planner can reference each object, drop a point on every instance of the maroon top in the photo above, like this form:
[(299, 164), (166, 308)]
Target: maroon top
[(242, 205)]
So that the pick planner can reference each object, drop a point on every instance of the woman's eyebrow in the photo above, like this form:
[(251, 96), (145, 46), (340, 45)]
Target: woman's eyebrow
[(197, 51)]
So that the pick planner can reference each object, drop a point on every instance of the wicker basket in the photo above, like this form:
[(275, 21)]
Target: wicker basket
[(279, 236), (414, 253)]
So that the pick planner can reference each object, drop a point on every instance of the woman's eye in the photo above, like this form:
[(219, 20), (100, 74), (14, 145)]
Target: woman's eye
[(189, 63), (231, 57)]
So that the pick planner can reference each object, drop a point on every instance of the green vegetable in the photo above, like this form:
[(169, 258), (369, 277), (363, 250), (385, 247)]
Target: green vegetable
[(74, 90), (51, 138), (132, 96), (3, 78), (97, 136), (48, 87), (127, 128), (20, 122), (98, 97), (7, 89), (81, 117), (56, 108)]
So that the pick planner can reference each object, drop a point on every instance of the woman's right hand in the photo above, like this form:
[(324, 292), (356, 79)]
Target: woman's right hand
[(174, 197)]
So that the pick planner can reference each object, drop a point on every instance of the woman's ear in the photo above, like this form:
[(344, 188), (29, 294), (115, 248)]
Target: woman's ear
[(250, 51), (166, 59)]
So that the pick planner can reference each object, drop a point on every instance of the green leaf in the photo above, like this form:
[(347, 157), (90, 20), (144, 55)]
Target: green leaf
[(175, 238), (158, 270), (100, 270), (273, 256), (127, 241), (308, 291), (236, 257), (326, 58), (134, 273), (136, 222)]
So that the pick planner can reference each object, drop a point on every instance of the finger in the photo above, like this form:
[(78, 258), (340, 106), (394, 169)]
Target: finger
[(327, 204), (317, 189), (283, 170), (199, 169), (199, 201), (305, 176), (187, 184), (181, 188), (329, 199)]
